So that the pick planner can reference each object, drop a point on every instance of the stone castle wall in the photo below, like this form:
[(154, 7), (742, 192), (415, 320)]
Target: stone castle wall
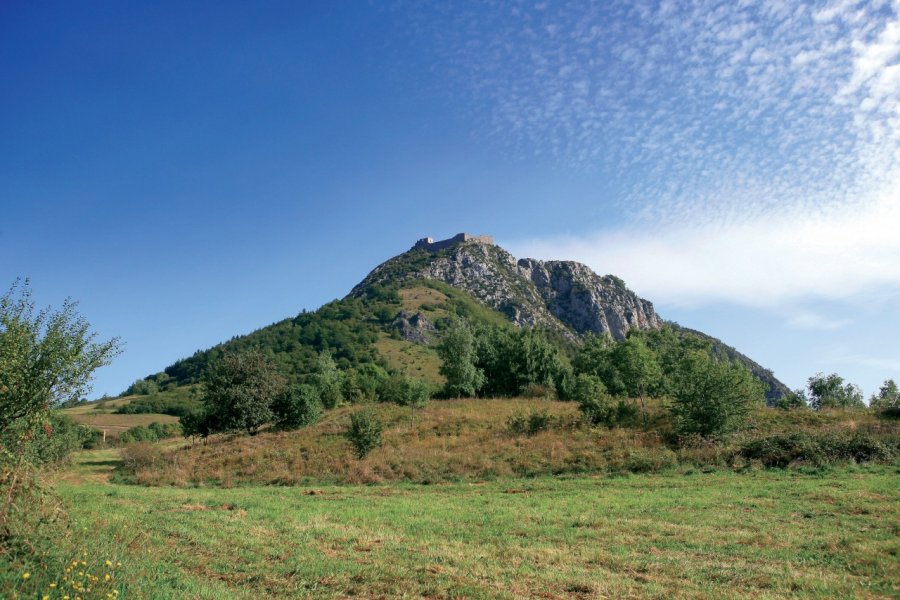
[(429, 243)]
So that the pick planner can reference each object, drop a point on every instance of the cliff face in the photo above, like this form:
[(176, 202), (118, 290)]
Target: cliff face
[(561, 295)]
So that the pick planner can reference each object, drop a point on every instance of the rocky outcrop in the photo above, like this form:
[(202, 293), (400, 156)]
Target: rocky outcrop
[(561, 295), (586, 302), (414, 327)]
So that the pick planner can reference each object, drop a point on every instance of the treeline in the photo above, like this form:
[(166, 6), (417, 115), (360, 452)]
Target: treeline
[(244, 392)]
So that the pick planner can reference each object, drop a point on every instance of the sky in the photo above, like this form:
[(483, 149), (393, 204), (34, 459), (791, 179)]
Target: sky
[(192, 171)]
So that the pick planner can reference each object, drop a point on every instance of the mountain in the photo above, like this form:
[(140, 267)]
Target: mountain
[(564, 296), (393, 317)]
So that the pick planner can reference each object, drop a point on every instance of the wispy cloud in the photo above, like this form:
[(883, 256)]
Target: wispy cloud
[(773, 261), (696, 110), (815, 321)]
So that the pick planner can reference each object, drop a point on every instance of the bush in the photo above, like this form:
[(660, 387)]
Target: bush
[(176, 407), (365, 432), (593, 399), (532, 424), (151, 433), (782, 450), (297, 407), (712, 397)]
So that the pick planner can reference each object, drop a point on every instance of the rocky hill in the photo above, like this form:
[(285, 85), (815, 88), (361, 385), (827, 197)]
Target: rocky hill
[(564, 296), (394, 316)]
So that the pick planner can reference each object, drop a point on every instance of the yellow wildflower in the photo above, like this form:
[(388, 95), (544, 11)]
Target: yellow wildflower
[(52, 585), (109, 563), (26, 575)]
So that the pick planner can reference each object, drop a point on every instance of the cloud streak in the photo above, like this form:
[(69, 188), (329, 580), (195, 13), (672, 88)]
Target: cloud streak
[(773, 261)]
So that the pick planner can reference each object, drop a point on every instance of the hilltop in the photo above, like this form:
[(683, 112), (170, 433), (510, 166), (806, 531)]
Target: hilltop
[(395, 315)]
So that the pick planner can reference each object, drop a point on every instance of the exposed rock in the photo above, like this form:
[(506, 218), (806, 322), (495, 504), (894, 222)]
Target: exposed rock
[(414, 327), (561, 295)]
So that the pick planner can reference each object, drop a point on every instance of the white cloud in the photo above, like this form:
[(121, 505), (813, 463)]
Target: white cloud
[(816, 322), (694, 110), (776, 260)]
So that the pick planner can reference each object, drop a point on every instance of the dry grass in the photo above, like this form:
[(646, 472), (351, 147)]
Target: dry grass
[(415, 359), (413, 298), (451, 441), (457, 440)]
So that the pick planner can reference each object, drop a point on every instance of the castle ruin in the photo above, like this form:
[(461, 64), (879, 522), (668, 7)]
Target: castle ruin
[(433, 246)]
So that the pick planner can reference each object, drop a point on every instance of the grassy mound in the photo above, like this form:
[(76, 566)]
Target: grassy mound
[(478, 440)]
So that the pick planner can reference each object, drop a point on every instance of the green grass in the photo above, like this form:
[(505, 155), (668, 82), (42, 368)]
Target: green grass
[(764, 534)]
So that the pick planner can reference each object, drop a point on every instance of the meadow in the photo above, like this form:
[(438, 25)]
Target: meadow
[(831, 533)]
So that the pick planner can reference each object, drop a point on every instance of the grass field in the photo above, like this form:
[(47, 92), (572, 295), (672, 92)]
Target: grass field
[(763, 534), (102, 416)]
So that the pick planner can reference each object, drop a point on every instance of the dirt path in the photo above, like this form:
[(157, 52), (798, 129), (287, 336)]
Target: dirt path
[(91, 466)]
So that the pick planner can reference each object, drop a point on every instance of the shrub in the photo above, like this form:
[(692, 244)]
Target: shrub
[(712, 397), (365, 432), (781, 450), (151, 433), (532, 424), (593, 399), (297, 407)]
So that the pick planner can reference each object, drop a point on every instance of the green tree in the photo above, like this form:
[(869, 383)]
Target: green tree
[(793, 400), (239, 391), (638, 369), (887, 398), (457, 352), (593, 399), (330, 381), (297, 406), (365, 431), (713, 397), (595, 357), (829, 391), (47, 357), (404, 390)]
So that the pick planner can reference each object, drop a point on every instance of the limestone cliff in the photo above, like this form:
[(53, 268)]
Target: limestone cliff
[(561, 295)]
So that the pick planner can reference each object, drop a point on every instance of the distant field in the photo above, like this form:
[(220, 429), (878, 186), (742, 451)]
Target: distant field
[(102, 417), (765, 534)]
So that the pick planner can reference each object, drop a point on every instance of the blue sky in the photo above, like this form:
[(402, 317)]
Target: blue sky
[(193, 171)]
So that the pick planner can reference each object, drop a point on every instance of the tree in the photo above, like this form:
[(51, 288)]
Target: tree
[(887, 398), (239, 391), (638, 369), (793, 400), (406, 391), (829, 391), (329, 381), (47, 357), (297, 406), (365, 432), (713, 397), (457, 352), (593, 399), (595, 357)]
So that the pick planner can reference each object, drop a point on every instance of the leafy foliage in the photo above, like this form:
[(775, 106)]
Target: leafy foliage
[(46, 357), (240, 390), (151, 433), (457, 351), (829, 391), (298, 406), (887, 399), (781, 450), (365, 432), (712, 397)]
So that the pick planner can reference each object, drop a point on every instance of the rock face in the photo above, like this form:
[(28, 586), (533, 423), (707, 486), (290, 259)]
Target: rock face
[(414, 327), (561, 295)]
